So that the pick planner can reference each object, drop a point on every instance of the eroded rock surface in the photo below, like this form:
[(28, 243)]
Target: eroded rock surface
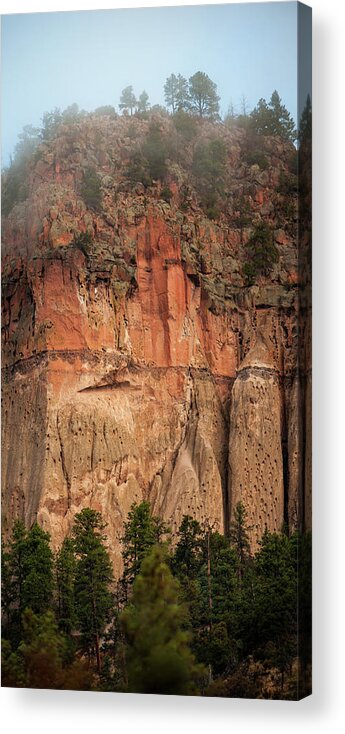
[(144, 366)]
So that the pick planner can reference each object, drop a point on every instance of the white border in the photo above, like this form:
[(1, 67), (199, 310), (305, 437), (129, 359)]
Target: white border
[(41, 711)]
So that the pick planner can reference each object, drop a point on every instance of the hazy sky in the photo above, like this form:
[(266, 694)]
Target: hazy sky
[(54, 59)]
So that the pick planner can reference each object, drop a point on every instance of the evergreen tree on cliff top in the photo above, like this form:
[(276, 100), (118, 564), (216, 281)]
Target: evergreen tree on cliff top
[(176, 93), (128, 101), (158, 656), (273, 118), (204, 99)]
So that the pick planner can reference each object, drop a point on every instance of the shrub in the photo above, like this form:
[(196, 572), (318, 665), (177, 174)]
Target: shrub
[(262, 253), (137, 170), (105, 110), (91, 189), (83, 241), (209, 170), (166, 194), (155, 151), (288, 184), (185, 125), (257, 158)]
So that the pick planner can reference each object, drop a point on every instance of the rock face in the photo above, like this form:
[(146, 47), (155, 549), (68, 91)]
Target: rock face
[(255, 443), (141, 365)]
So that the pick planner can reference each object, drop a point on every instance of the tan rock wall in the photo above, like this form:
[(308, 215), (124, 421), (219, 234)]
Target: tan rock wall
[(255, 445)]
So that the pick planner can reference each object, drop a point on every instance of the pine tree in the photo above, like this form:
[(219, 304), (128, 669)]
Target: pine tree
[(93, 579), (38, 583), (188, 552), (261, 252), (65, 583), (204, 99), (143, 102), (214, 630), (159, 659), (91, 190), (13, 576), (273, 629), (176, 93), (205, 565), (6, 588), (39, 660), (305, 124), (28, 580), (273, 119), (182, 94), (281, 121), (239, 539), (128, 101), (142, 531)]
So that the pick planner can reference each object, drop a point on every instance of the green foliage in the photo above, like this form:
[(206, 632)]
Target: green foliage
[(242, 214), (303, 556), (65, 566), (188, 552), (305, 124), (204, 100), (13, 190), (274, 623), (239, 539), (28, 579), (257, 158), (148, 162), (288, 184), (105, 111), (142, 531), (38, 581), (93, 579), (273, 119), (185, 125), (205, 565), (159, 659), (83, 242), (211, 604), (209, 169), (137, 169), (176, 93), (262, 253), (71, 114), (155, 151), (14, 184), (240, 684), (50, 124), (38, 661), (166, 194), (143, 102), (91, 189), (128, 101)]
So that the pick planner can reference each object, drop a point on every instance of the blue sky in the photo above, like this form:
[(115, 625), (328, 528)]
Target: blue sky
[(54, 59)]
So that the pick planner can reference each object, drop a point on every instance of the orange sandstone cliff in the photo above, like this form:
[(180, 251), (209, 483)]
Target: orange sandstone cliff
[(139, 363)]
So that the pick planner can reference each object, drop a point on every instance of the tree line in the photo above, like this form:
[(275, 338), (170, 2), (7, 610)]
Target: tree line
[(186, 100), (186, 617)]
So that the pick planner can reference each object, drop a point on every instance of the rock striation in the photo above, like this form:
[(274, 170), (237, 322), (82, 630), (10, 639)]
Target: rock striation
[(141, 364)]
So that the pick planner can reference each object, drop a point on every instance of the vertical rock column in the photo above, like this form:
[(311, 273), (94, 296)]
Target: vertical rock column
[(255, 450)]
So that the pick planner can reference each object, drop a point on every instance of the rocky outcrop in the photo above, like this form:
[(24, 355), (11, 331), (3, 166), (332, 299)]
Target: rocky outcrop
[(141, 365)]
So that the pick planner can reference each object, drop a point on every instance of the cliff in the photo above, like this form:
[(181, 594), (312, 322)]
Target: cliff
[(138, 360)]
